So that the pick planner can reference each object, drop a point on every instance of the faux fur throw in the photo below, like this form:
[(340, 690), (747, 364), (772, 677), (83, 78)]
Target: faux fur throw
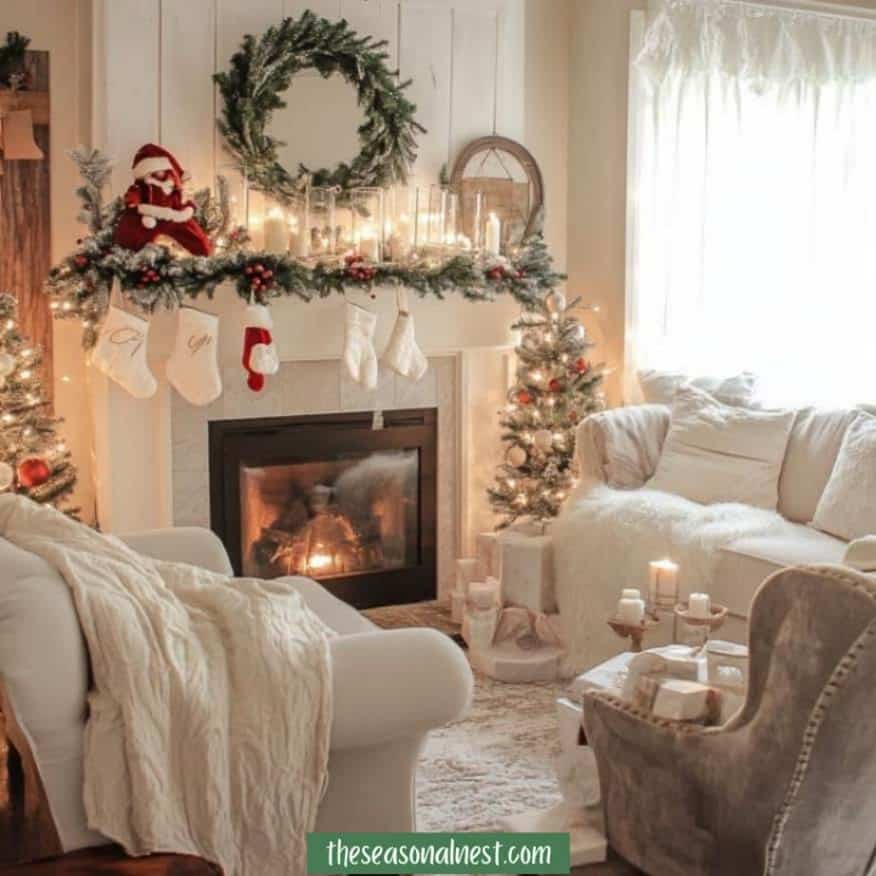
[(605, 539), (210, 713)]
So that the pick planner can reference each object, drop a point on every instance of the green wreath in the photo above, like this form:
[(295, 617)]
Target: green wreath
[(262, 70)]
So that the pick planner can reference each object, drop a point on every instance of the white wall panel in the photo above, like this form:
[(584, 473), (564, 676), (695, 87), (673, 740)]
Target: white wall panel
[(425, 52), (473, 103), (188, 113)]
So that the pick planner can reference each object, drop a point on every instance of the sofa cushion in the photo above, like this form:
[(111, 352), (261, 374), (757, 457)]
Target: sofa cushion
[(44, 665), (659, 387), (747, 562), (720, 453), (812, 451), (847, 508)]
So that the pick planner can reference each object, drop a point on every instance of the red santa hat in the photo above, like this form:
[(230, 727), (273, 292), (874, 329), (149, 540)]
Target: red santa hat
[(152, 159)]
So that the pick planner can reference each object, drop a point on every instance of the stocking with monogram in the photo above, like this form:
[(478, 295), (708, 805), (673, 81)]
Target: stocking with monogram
[(120, 352), (193, 367)]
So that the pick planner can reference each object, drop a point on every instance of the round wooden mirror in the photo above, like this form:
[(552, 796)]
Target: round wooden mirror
[(505, 177)]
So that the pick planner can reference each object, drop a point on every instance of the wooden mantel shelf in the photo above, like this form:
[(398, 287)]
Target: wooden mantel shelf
[(36, 101)]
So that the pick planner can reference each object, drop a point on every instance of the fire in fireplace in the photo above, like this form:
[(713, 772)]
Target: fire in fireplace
[(355, 513), (332, 498)]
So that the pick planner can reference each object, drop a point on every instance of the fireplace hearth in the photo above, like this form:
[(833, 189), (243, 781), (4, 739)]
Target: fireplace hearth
[(333, 498)]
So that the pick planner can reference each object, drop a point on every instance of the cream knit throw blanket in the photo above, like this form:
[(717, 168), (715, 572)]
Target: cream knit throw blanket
[(210, 713)]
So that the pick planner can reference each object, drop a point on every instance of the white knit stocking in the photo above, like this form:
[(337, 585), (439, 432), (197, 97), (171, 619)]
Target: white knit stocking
[(402, 353), (359, 355), (120, 352), (193, 367)]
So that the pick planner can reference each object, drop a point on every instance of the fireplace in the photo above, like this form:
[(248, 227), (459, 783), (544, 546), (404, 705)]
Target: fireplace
[(330, 497)]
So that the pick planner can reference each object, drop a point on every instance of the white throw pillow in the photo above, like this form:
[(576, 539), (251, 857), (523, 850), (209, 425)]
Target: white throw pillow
[(659, 387), (720, 453), (812, 451), (848, 504)]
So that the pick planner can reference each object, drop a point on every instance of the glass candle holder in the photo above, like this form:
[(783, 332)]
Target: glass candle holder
[(398, 225), (344, 224), (321, 221), (275, 227), (297, 221), (368, 221)]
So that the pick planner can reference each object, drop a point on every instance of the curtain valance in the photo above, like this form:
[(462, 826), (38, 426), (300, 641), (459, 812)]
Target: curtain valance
[(756, 43)]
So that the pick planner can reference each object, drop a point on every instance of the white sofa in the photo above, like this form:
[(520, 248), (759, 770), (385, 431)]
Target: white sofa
[(390, 689), (620, 448)]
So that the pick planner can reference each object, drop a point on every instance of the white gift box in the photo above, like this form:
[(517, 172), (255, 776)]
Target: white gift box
[(489, 564), (679, 700), (528, 571)]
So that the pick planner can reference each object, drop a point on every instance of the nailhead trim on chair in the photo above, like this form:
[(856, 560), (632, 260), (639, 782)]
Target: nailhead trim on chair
[(816, 719)]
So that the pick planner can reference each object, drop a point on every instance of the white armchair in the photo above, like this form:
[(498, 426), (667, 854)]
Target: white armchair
[(390, 689)]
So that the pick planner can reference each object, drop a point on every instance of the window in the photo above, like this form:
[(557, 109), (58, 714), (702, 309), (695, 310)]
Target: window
[(752, 232)]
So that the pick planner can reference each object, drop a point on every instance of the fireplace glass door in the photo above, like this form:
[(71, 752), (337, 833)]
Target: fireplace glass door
[(333, 497), (353, 513)]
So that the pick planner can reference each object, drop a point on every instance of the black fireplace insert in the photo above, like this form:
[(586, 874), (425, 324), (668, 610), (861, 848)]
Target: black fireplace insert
[(339, 498)]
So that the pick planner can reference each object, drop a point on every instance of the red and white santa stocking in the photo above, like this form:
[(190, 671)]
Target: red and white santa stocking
[(259, 350), (193, 367), (120, 352)]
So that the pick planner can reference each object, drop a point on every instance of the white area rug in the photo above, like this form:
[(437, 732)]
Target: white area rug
[(497, 761)]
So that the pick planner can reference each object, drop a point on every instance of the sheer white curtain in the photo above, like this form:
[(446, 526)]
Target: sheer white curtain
[(753, 198)]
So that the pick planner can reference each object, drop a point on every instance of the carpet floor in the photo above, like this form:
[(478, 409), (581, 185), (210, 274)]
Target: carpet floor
[(497, 760)]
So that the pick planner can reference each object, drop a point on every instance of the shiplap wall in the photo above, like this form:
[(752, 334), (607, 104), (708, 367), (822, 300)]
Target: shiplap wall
[(465, 58)]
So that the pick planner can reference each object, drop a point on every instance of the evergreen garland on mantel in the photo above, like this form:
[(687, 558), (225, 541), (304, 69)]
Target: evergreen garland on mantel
[(156, 277)]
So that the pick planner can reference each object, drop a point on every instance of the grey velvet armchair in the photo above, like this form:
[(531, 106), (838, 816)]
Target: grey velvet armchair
[(785, 788)]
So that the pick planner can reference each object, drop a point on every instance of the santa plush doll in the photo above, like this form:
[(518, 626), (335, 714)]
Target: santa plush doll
[(154, 205)]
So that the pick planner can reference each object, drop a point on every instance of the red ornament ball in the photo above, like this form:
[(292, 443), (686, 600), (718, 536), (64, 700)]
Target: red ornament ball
[(555, 385), (581, 366), (524, 397), (33, 471)]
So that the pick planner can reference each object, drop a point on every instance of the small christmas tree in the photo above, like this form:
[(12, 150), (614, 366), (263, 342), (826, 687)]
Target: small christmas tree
[(34, 461), (557, 386)]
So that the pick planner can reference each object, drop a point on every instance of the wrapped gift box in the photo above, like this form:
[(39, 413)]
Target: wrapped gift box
[(527, 563)]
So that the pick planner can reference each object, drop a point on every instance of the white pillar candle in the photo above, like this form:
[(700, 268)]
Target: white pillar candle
[(466, 572), (493, 235), (368, 243), (631, 593), (700, 605), (484, 594), (631, 611), (276, 231), (663, 583)]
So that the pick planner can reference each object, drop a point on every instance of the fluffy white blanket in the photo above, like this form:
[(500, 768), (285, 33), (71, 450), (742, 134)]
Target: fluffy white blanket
[(210, 713), (605, 539)]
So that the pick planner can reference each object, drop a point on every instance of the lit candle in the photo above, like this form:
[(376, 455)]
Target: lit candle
[(276, 231), (493, 236), (700, 605), (368, 243), (663, 583), (631, 611)]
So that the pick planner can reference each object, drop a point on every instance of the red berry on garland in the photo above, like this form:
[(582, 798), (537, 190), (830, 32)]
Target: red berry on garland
[(496, 273), (268, 274), (259, 268), (524, 397), (81, 261), (247, 269), (581, 366), (33, 472), (555, 385)]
